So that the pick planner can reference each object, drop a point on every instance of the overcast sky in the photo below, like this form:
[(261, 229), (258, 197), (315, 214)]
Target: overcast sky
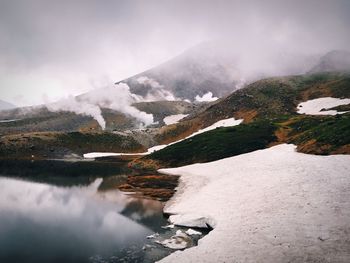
[(50, 49)]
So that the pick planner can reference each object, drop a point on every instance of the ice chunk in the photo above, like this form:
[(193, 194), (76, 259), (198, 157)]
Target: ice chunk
[(179, 241), (192, 232)]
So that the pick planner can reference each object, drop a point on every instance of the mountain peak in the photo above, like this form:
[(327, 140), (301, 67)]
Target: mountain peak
[(219, 67), (6, 105)]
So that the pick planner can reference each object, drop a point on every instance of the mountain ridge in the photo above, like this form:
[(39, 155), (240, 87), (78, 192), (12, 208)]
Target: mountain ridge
[(4, 105)]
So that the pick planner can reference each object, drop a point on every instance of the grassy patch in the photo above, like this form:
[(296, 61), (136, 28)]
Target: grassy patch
[(217, 144), (333, 131), (312, 134)]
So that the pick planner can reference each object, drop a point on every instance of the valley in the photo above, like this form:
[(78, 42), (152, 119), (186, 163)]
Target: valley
[(275, 150)]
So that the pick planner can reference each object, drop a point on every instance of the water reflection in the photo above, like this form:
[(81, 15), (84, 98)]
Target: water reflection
[(61, 173), (40, 222)]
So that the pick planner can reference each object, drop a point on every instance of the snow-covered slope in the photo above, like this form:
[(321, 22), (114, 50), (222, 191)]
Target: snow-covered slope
[(272, 205), (174, 118), (315, 106)]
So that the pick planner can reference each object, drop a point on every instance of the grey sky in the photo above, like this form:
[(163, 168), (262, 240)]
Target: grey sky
[(50, 49)]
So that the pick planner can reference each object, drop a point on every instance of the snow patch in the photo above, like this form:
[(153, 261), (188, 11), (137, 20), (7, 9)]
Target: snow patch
[(93, 155), (168, 226), (222, 123), (207, 97), (314, 107), (174, 118), (275, 205)]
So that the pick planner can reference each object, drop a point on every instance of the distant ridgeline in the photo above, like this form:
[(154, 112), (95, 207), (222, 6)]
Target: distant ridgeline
[(6, 105)]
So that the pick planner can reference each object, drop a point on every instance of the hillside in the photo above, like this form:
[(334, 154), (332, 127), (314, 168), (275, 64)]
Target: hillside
[(39, 132), (269, 110), (40, 119), (48, 145), (267, 98)]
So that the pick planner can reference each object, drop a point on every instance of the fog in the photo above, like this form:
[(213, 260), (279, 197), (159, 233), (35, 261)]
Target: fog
[(156, 90), (53, 49)]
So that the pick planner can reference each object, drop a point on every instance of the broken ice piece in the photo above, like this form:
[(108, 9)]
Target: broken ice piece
[(178, 241), (168, 226), (145, 247), (152, 236), (192, 232)]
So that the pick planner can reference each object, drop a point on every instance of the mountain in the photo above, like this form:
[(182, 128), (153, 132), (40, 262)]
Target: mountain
[(6, 106), (207, 71), (216, 67), (337, 60), (197, 71)]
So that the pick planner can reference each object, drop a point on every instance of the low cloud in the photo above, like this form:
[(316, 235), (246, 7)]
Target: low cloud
[(57, 47), (156, 91)]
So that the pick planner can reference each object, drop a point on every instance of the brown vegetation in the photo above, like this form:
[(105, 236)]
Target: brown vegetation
[(158, 186)]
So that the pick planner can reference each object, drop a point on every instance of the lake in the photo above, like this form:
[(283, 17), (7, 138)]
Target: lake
[(73, 212)]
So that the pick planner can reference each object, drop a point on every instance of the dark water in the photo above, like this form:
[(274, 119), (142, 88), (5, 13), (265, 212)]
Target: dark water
[(69, 212)]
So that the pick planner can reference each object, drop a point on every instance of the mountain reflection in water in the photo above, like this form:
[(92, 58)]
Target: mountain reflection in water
[(40, 222)]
